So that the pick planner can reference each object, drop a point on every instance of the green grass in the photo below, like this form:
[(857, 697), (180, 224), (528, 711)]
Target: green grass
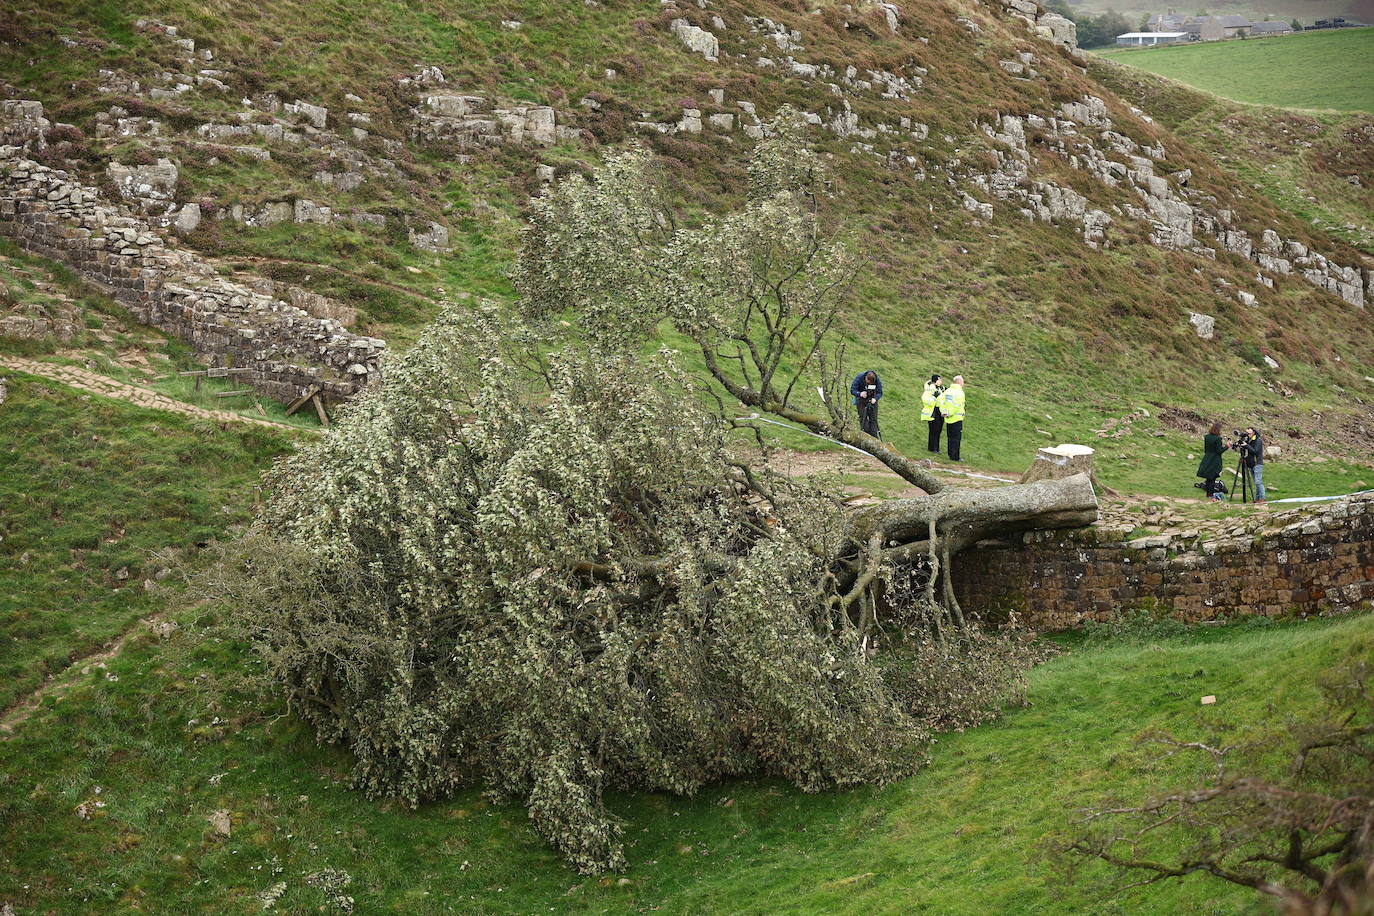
[(89, 488), (171, 741), (1321, 70)]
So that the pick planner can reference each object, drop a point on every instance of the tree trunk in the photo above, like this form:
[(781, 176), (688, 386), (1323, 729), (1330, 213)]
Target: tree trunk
[(965, 516)]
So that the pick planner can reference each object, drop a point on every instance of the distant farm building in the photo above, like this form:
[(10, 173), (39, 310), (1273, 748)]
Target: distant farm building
[(1146, 39), (1266, 29)]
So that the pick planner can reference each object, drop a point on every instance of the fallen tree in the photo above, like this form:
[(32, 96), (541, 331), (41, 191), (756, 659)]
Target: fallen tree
[(538, 559)]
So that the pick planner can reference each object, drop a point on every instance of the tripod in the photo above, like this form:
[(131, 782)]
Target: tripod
[(1245, 475)]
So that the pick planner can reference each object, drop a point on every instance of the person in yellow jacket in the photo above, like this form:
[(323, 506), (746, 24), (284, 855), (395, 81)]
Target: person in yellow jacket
[(952, 407), (930, 412)]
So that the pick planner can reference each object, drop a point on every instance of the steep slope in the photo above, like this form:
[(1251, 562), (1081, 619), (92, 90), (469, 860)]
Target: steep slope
[(1023, 224)]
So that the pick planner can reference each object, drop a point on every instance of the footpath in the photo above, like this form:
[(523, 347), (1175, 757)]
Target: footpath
[(95, 383)]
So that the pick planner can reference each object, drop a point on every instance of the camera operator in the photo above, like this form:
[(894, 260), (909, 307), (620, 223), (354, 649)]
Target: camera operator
[(1251, 448)]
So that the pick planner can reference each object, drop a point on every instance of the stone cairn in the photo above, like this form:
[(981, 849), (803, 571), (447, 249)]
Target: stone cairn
[(287, 350)]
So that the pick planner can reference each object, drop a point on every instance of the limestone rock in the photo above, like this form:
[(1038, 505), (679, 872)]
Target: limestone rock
[(188, 219), (891, 12), (432, 237), (146, 184), (1204, 325), (1058, 29), (220, 824), (696, 39), (314, 114), (22, 123), (307, 211), (339, 181)]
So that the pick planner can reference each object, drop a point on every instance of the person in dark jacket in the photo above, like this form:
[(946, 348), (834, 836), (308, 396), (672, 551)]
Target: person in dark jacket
[(867, 390), (1210, 468), (1254, 460)]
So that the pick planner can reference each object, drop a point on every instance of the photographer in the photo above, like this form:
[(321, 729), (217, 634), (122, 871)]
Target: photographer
[(867, 390), (1210, 468), (1252, 454)]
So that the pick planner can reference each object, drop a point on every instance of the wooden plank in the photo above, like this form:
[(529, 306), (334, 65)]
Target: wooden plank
[(301, 401), (216, 373), (233, 394), (319, 409)]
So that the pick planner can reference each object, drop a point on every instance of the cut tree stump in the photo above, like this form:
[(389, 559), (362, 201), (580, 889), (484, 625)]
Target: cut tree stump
[(1064, 460)]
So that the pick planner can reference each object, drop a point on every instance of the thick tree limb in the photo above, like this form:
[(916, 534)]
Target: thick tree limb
[(900, 464), (966, 515)]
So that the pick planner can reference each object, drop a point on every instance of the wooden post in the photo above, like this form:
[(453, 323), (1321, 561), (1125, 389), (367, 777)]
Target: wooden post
[(301, 401), (319, 409)]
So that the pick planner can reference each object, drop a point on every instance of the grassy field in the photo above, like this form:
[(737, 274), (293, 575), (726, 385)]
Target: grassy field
[(1320, 70), (162, 740), (80, 516)]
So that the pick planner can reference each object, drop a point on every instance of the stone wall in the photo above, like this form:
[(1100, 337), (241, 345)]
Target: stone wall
[(1300, 561), (50, 212)]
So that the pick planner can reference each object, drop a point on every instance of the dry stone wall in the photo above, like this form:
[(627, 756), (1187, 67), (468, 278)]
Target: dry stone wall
[(286, 348), (1313, 561)]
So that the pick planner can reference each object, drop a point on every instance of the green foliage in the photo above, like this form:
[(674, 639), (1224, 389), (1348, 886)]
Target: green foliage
[(534, 563), (1101, 31), (962, 680), (520, 579)]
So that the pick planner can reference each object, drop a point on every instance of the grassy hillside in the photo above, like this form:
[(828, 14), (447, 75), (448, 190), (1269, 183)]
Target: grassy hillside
[(1322, 70), (163, 740), (80, 519), (1312, 164), (1054, 337), (105, 793)]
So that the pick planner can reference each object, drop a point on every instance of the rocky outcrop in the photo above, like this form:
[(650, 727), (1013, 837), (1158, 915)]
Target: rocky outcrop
[(474, 120), (23, 122), (148, 187), (1081, 133), (1049, 26), (287, 349), (696, 39)]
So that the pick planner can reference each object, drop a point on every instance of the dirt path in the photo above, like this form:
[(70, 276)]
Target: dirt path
[(800, 464), (60, 683), (103, 385)]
